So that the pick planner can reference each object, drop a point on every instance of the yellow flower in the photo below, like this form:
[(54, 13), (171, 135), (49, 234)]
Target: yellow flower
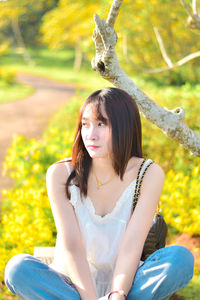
[(195, 171), (4, 192), (36, 168)]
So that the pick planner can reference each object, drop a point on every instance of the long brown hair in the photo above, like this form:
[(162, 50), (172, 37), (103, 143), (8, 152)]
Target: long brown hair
[(124, 118)]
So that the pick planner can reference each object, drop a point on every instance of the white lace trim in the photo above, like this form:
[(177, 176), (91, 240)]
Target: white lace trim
[(128, 193), (77, 201)]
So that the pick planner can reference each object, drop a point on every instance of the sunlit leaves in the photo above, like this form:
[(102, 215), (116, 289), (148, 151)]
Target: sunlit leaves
[(181, 201), (28, 14), (69, 23)]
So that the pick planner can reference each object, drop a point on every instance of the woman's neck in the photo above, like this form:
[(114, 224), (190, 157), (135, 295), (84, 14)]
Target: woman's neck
[(103, 168)]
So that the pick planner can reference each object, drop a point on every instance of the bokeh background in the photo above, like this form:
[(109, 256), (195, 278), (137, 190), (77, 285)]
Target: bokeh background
[(45, 52)]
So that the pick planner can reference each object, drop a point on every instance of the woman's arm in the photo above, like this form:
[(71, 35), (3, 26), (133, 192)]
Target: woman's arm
[(68, 228), (137, 230)]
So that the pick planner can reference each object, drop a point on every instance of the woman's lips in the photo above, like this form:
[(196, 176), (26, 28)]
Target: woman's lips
[(93, 147)]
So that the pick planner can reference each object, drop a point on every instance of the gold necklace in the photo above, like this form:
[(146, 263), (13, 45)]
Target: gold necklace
[(99, 184)]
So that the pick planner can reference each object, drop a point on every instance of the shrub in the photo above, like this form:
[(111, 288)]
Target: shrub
[(26, 215), (7, 76), (180, 201)]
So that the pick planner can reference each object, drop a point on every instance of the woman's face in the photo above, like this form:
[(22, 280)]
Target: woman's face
[(96, 134)]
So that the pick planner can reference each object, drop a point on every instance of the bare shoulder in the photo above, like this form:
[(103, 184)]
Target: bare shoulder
[(59, 171), (153, 182), (157, 170), (154, 169), (155, 174)]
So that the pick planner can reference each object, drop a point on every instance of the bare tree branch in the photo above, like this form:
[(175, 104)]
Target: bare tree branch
[(162, 48), (174, 66), (113, 13), (187, 8), (194, 7), (20, 41), (172, 123), (193, 19), (165, 56), (101, 30)]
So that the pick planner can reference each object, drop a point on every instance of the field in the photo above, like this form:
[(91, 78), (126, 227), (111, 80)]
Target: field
[(28, 160)]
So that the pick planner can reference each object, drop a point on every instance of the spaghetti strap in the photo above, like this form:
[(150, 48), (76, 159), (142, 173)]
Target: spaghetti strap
[(144, 166)]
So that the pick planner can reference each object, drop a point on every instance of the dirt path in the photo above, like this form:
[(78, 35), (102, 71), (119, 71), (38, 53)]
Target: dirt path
[(30, 116)]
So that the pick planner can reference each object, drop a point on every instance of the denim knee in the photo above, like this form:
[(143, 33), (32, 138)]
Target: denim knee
[(16, 270), (184, 259)]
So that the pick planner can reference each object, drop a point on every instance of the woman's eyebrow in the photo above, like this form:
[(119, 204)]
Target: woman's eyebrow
[(96, 119)]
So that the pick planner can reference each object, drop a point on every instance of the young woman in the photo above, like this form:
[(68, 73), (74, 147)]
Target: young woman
[(99, 241)]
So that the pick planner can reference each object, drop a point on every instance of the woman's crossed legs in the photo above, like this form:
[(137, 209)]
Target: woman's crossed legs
[(163, 273)]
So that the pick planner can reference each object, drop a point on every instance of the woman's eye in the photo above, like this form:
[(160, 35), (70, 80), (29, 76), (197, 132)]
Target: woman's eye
[(101, 124)]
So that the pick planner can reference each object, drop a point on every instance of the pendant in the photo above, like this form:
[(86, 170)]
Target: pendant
[(99, 185)]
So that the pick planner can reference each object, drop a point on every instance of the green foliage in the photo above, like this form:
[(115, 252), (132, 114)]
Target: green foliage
[(135, 29), (10, 89), (169, 17), (28, 13), (55, 64), (181, 201), (14, 92), (169, 153), (65, 29), (26, 210), (192, 291), (26, 213), (4, 46), (55, 23), (7, 76)]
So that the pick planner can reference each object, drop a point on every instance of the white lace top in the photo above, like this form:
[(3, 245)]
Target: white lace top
[(102, 235)]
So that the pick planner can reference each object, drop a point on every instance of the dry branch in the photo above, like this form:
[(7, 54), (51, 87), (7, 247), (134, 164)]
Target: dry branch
[(165, 56), (193, 19), (113, 13), (194, 7), (172, 123), (162, 48)]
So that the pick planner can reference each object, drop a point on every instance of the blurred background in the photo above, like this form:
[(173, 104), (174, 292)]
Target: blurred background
[(46, 49)]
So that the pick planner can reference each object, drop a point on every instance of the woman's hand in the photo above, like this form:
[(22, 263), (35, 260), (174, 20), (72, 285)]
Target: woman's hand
[(112, 297), (104, 297)]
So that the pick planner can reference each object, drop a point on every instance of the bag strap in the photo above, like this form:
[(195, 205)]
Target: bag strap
[(139, 183)]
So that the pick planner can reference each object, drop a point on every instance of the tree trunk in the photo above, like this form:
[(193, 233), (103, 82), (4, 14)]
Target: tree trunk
[(171, 122), (78, 58), (20, 41)]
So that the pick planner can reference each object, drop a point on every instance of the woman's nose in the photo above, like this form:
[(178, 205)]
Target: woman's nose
[(92, 133)]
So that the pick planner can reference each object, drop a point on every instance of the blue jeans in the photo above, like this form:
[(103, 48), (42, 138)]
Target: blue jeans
[(163, 273)]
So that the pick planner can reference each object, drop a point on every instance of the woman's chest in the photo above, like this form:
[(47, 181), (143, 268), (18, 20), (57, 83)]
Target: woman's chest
[(105, 199), (103, 202)]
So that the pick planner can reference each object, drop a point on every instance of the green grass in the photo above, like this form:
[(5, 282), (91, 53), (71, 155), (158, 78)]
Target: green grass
[(56, 65), (14, 92), (192, 291)]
